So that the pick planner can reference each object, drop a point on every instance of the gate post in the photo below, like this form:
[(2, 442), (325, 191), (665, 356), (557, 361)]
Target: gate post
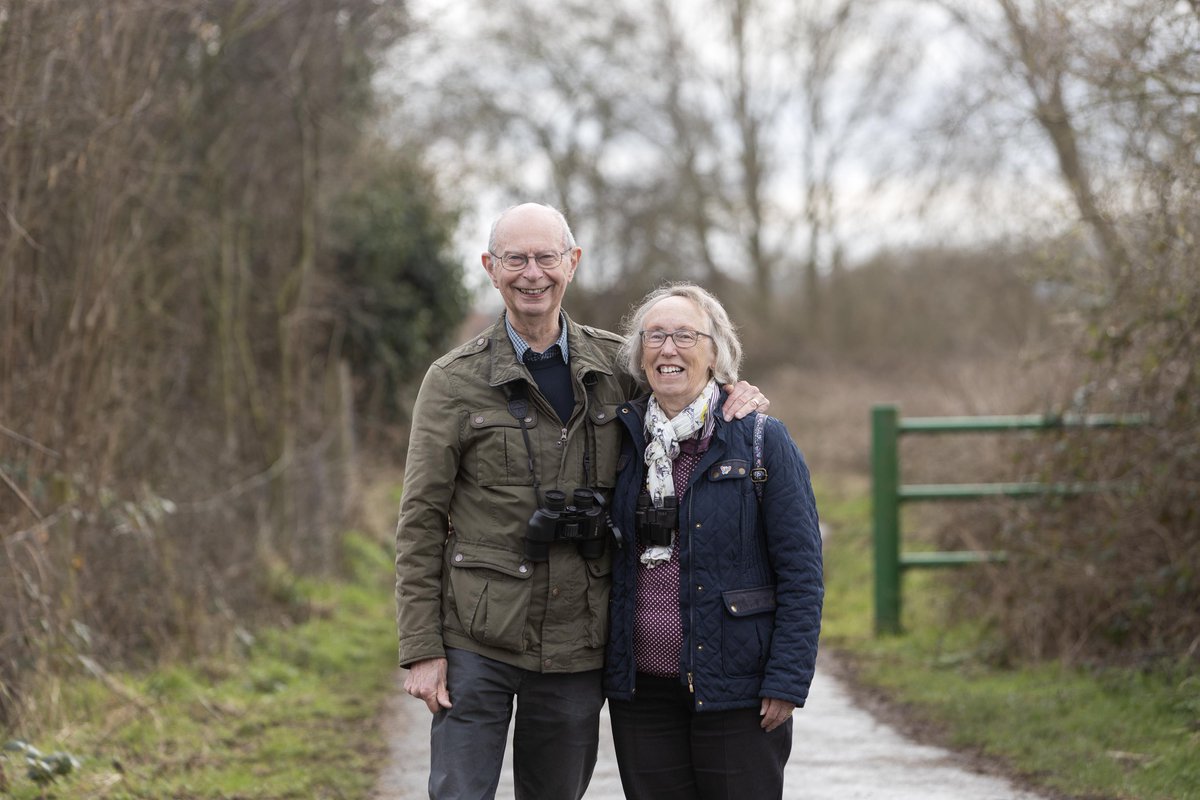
[(885, 499)]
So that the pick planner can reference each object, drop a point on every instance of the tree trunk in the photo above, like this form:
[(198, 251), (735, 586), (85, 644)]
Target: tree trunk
[(1044, 77)]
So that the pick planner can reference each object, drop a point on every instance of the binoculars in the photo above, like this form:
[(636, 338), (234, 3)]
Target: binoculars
[(655, 525), (582, 522)]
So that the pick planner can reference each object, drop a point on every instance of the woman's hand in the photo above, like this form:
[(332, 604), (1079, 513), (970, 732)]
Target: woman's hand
[(775, 712)]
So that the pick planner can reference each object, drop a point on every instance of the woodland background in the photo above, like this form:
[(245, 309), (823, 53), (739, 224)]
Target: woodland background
[(233, 234)]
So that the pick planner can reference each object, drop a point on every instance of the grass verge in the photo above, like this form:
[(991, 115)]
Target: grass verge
[(1085, 733), (294, 717)]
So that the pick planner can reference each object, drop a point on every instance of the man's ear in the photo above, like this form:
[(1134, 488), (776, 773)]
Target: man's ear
[(575, 255), (488, 267)]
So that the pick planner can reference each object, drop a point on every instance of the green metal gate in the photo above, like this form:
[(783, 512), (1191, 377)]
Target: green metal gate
[(887, 492)]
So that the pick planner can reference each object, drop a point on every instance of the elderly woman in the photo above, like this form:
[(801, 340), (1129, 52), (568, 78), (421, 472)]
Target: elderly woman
[(716, 597)]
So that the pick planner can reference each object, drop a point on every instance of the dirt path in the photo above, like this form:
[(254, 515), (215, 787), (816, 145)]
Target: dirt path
[(840, 752)]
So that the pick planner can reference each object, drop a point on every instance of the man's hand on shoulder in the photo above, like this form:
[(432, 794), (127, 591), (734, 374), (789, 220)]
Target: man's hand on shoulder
[(743, 399)]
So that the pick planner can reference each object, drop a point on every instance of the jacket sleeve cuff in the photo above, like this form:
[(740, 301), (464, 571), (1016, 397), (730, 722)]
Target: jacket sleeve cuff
[(419, 648)]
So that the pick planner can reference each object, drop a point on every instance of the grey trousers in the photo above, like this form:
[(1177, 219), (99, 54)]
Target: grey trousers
[(554, 741)]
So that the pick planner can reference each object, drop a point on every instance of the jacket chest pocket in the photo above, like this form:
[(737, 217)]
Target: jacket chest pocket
[(608, 443), (735, 509), (731, 469), (498, 450)]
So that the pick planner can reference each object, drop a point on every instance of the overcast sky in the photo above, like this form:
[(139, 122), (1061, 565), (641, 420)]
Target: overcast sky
[(876, 210)]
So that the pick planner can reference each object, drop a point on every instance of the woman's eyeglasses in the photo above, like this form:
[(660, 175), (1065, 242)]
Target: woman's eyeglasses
[(683, 338)]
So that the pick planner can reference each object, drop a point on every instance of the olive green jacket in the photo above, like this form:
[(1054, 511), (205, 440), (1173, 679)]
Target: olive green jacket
[(468, 466)]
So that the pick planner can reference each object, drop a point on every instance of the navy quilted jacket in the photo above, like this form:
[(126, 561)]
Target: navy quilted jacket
[(750, 579)]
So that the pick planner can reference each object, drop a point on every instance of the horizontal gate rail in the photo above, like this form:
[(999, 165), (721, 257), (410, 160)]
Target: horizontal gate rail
[(979, 491), (887, 492)]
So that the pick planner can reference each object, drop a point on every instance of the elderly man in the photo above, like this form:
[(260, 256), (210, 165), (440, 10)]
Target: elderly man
[(512, 603)]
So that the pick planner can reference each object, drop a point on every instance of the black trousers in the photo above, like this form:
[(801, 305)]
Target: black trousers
[(668, 751), (554, 742)]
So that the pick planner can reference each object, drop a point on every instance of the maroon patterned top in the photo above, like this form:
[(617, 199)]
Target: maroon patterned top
[(658, 629)]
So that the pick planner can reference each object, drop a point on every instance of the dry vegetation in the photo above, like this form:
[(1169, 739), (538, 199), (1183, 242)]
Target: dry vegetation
[(178, 344)]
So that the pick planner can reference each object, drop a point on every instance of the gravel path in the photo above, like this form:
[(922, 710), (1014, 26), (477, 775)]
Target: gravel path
[(840, 752)]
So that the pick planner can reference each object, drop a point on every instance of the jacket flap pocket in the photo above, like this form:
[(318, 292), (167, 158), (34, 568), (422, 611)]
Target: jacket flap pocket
[(599, 567), (729, 469), (603, 414), (500, 418), (744, 602), (473, 555)]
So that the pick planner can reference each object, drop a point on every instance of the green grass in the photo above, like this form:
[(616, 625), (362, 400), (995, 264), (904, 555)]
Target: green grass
[(294, 718), (1099, 733)]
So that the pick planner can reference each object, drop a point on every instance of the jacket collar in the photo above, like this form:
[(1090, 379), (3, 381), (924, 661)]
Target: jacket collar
[(584, 356)]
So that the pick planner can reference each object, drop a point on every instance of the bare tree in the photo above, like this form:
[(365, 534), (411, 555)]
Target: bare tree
[(675, 132), (852, 79), (1112, 89)]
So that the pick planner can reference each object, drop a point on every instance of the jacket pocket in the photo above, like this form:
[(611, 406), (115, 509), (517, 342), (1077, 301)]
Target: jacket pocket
[(746, 628), (500, 455), (490, 593), (731, 483), (599, 577), (608, 443), (729, 469)]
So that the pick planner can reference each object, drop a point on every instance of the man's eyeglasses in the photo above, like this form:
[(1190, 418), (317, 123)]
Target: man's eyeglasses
[(516, 261), (683, 338)]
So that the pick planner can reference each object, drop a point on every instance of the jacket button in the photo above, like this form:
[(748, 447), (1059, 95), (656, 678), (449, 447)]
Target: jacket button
[(699, 524), (546, 663), (733, 609), (741, 470), (521, 569), (480, 341), (699, 647), (699, 588), (601, 415), (458, 557), (479, 420), (699, 702), (624, 410), (528, 420), (554, 592)]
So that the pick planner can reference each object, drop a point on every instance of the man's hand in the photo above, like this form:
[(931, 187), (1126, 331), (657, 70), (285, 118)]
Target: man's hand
[(426, 680), (743, 399), (775, 712)]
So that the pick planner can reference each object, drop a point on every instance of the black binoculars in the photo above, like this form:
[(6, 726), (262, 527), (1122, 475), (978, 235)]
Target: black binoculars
[(655, 525), (582, 522)]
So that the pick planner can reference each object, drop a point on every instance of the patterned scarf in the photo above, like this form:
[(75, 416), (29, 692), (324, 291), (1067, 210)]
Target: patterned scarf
[(663, 436)]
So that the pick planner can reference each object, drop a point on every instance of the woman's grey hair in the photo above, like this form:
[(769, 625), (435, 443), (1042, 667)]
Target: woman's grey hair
[(725, 338), (568, 240)]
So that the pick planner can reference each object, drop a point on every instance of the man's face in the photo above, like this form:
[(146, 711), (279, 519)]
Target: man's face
[(532, 294)]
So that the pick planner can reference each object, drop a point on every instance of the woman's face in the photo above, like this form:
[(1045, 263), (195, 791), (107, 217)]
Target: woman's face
[(677, 374)]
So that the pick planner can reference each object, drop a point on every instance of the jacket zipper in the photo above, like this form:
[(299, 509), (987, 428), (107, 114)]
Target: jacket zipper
[(692, 605)]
